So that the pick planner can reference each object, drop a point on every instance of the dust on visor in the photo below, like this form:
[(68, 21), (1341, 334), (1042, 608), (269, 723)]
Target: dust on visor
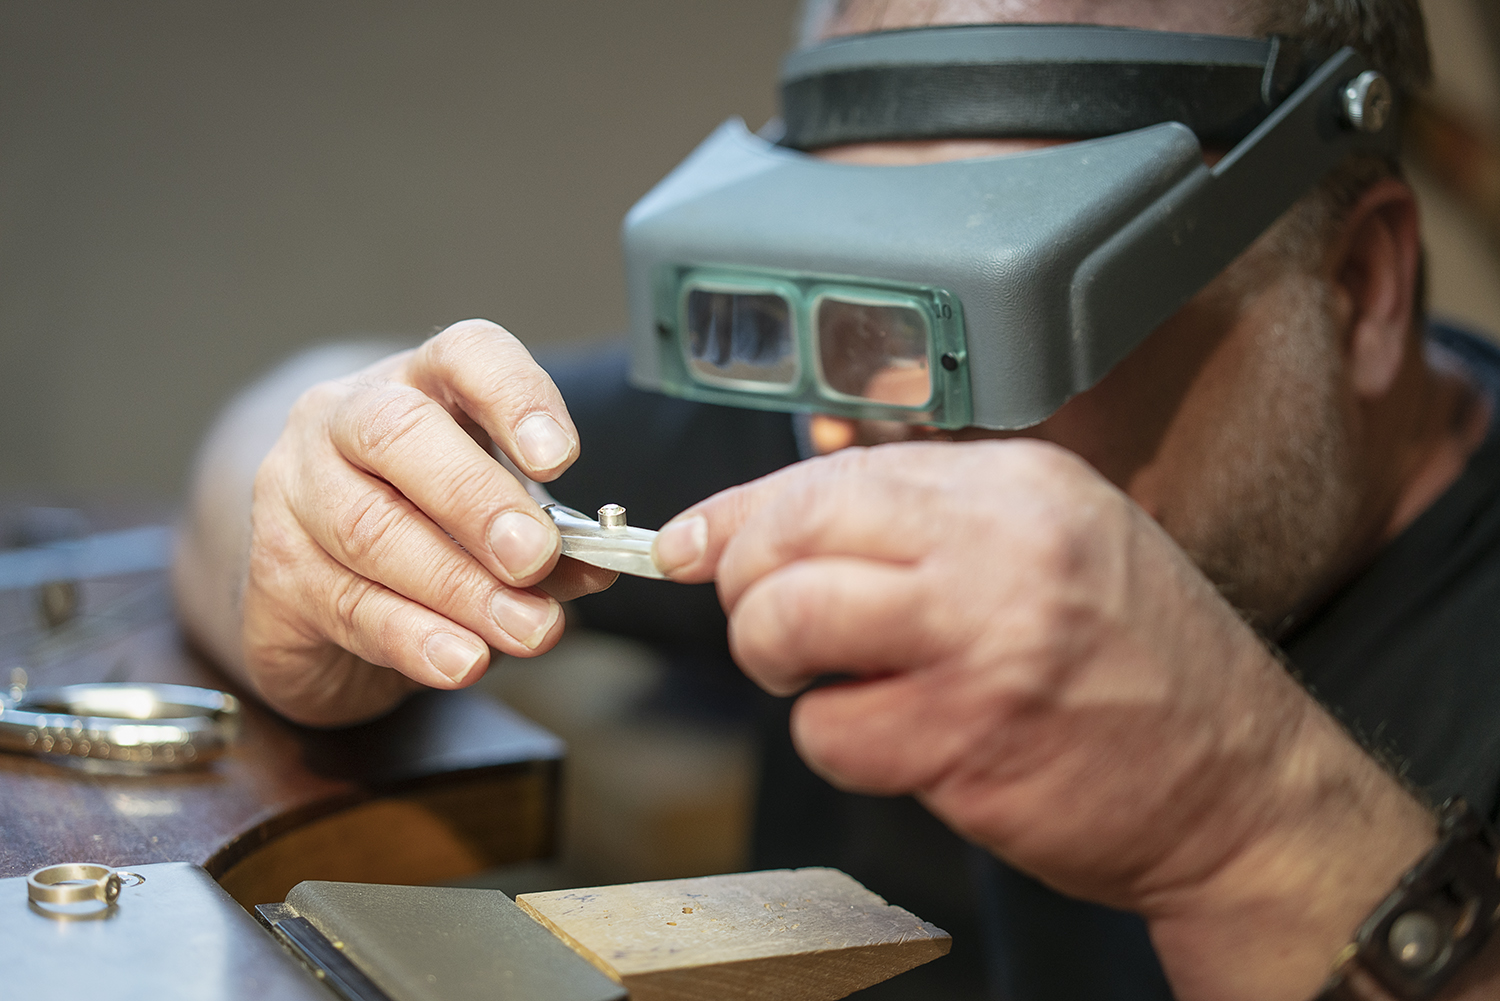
[(984, 291)]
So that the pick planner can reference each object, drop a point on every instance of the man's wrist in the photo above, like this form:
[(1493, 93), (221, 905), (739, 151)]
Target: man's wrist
[(1439, 916), (1479, 980), (1339, 833)]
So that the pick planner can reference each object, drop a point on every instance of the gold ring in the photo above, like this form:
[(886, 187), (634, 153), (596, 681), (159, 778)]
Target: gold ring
[(73, 883)]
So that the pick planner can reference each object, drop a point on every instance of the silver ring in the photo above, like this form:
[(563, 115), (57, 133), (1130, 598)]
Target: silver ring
[(139, 727), (73, 883)]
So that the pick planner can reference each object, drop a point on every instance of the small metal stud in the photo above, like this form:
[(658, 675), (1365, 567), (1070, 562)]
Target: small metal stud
[(1368, 101), (1415, 939), (611, 516)]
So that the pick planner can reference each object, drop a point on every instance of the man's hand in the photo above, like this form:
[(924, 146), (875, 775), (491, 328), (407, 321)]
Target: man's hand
[(389, 548), (1028, 653)]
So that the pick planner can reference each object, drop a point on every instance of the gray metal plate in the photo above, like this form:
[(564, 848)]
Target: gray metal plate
[(175, 937), (448, 944)]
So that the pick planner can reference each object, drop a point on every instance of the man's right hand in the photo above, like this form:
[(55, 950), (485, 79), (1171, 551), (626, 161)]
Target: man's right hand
[(389, 548)]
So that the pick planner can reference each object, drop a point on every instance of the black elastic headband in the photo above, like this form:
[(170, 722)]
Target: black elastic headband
[(1031, 80)]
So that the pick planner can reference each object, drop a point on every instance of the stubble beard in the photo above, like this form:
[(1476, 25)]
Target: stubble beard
[(1273, 510)]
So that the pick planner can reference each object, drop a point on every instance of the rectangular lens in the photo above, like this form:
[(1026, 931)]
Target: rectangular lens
[(874, 351), (741, 337)]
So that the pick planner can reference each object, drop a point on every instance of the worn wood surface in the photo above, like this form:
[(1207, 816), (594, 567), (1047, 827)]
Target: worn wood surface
[(449, 784), (793, 934)]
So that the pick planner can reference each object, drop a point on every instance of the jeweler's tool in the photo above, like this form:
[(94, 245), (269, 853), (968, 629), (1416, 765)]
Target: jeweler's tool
[(609, 542)]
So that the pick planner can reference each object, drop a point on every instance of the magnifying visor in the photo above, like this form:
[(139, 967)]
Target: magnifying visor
[(982, 291), (789, 339)]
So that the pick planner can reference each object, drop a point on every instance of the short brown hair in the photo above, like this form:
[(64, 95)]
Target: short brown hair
[(1391, 34)]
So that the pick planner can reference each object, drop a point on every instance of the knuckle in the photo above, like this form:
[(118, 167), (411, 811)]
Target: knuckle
[(320, 396), (1058, 623), (275, 563), (1043, 645), (316, 403), (351, 600), (386, 418), (476, 491), (1036, 456), (278, 545), (388, 637), (766, 632), (265, 486), (797, 614), (818, 739), (489, 369), (1057, 551), (453, 346), (809, 510), (451, 583), (270, 540), (369, 526), (748, 646), (378, 634)]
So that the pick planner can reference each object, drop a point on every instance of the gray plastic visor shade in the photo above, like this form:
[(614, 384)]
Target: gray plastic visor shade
[(973, 292)]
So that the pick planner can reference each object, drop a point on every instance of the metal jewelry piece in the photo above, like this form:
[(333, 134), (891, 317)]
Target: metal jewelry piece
[(609, 542), (1368, 102), (127, 727), (73, 883)]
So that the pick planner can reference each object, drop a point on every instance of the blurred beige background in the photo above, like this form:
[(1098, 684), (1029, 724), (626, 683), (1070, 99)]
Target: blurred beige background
[(190, 191), (1463, 254)]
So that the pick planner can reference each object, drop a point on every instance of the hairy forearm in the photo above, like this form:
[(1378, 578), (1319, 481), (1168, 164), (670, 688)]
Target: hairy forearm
[(208, 571), (1271, 923)]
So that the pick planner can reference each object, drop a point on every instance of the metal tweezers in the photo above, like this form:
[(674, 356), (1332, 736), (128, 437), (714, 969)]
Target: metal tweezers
[(609, 542)]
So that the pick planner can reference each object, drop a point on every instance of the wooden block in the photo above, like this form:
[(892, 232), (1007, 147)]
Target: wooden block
[(793, 934)]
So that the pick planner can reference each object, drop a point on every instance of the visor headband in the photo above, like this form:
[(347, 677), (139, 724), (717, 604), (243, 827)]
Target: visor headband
[(1030, 80)]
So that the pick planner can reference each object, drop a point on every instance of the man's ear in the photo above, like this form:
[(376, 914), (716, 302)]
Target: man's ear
[(1374, 265)]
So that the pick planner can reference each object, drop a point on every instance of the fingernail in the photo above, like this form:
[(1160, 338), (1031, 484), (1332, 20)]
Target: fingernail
[(525, 617), (543, 443), (680, 544), (521, 543), (455, 657)]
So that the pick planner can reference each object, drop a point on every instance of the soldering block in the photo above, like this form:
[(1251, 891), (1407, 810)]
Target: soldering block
[(803, 934)]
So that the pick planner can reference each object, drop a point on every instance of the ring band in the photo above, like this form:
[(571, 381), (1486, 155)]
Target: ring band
[(73, 883), (133, 727)]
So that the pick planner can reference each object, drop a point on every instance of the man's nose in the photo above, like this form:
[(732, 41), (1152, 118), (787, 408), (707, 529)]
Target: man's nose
[(829, 434)]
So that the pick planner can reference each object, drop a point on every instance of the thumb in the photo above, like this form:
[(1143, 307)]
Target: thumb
[(689, 546)]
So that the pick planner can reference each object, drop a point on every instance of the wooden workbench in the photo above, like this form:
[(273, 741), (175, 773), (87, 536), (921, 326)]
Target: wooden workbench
[(449, 784)]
